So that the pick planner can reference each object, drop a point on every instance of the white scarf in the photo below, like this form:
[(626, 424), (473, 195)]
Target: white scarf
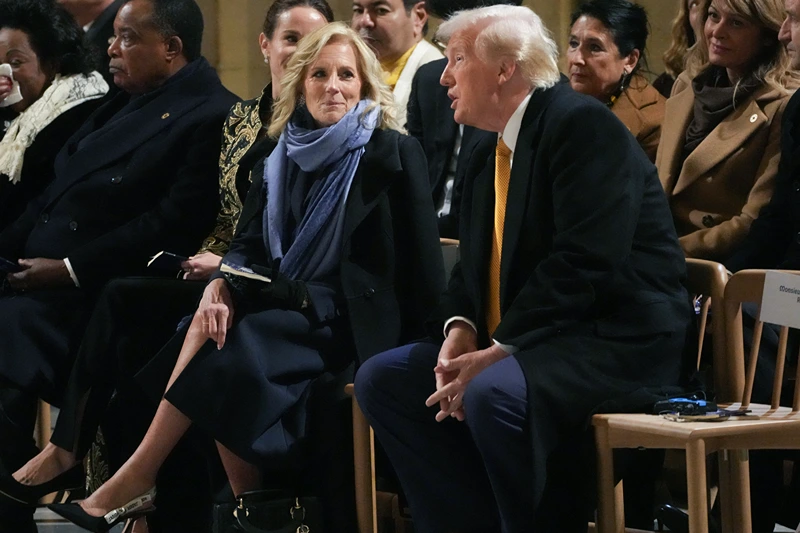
[(63, 94)]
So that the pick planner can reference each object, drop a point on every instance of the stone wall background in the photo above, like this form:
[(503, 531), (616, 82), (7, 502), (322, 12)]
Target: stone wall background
[(233, 26)]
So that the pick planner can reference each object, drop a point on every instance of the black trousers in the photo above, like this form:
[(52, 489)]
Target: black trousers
[(132, 320)]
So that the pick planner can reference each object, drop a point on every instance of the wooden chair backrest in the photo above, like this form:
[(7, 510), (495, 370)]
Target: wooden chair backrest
[(747, 286), (708, 278)]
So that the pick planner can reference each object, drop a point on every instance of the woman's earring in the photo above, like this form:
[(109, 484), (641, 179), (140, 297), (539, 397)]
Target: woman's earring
[(266, 60)]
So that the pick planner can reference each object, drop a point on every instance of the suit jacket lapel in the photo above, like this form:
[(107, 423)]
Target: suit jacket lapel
[(726, 138), (678, 114), (520, 184), (481, 228)]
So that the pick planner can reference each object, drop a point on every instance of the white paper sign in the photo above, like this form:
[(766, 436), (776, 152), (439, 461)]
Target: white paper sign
[(780, 303)]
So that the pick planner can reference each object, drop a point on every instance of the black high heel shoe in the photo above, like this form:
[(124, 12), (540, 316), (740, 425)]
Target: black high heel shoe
[(134, 509), (12, 489)]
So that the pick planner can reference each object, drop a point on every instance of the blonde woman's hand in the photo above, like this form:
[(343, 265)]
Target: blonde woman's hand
[(215, 311)]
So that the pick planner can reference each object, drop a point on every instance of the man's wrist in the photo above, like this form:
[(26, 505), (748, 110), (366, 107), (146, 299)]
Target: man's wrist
[(459, 319)]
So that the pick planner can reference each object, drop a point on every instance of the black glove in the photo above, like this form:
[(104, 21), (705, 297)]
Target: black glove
[(283, 292)]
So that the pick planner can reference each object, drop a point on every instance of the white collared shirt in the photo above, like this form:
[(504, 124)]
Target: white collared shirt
[(509, 135)]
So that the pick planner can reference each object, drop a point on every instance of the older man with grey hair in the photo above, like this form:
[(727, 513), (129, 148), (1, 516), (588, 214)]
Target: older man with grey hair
[(567, 300)]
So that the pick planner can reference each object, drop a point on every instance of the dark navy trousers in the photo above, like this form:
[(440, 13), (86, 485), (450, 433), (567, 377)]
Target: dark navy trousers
[(458, 476)]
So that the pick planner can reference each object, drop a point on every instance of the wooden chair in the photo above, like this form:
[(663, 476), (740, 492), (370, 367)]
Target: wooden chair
[(772, 427), (369, 504)]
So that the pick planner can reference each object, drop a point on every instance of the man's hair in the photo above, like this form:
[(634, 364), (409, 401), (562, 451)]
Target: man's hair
[(444, 9), (54, 35), (509, 32), (409, 5), (182, 19)]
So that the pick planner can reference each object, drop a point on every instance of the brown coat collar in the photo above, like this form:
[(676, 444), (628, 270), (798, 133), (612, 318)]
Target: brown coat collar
[(726, 138)]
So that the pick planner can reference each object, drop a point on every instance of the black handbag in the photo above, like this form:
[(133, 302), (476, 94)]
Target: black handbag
[(269, 511)]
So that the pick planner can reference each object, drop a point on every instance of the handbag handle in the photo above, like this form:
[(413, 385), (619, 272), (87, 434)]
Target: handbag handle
[(297, 513)]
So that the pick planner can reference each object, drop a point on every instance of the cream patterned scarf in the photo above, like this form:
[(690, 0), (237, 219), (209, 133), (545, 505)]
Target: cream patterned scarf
[(63, 94)]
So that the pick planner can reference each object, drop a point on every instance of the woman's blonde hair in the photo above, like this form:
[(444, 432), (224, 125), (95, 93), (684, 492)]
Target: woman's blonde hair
[(774, 64), (682, 40), (308, 51)]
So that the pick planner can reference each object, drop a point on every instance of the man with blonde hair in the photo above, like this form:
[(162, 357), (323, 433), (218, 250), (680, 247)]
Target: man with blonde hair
[(567, 300)]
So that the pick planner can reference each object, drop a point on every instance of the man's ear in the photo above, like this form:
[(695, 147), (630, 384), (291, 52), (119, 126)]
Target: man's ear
[(507, 68), (419, 16), (174, 47)]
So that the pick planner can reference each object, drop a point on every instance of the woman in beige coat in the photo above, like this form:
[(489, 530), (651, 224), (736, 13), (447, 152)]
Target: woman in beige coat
[(606, 53), (720, 141)]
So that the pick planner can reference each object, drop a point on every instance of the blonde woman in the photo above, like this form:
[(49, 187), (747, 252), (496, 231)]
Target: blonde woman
[(720, 141), (340, 218)]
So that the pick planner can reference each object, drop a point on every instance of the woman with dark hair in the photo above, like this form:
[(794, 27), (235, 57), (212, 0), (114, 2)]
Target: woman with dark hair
[(48, 87), (606, 52), (720, 146), (687, 28), (126, 329)]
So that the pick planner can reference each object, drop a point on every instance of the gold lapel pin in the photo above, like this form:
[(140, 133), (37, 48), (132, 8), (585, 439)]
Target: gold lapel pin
[(165, 116)]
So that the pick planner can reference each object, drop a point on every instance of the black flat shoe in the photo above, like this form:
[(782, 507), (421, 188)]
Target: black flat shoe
[(136, 508), (12, 489)]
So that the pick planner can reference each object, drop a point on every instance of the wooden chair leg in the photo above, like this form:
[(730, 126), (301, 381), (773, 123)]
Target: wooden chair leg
[(43, 424), (607, 521), (739, 493), (364, 455), (728, 522), (696, 485)]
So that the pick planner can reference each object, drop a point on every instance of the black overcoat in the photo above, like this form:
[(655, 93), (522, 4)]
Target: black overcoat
[(591, 271), (391, 271), (128, 184)]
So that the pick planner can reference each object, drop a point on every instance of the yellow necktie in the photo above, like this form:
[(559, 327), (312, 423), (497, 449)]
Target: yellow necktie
[(502, 175)]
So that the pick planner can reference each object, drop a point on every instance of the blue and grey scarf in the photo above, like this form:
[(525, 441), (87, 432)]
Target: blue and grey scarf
[(316, 248)]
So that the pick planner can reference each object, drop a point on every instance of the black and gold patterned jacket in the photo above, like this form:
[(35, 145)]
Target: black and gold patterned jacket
[(246, 123)]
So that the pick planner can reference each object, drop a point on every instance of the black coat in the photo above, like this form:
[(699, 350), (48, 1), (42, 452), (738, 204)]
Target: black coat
[(37, 167), (591, 273), (588, 236), (431, 122), (127, 185), (391, 272), (774, 237)]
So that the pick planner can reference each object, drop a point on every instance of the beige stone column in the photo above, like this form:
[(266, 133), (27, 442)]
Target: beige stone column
[(238, 58)]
